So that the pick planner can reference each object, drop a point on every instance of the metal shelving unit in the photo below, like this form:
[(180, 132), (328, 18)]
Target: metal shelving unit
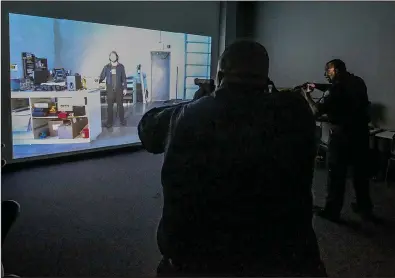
[(197, 62)]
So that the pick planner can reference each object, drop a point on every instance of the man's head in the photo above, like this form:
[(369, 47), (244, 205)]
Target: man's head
[(244, 62), (334, 70), (113, 57)]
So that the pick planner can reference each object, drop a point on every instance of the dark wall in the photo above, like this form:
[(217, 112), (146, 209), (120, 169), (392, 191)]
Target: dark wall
[(236, 21), (302, 36), (246, 13), (228, 23)]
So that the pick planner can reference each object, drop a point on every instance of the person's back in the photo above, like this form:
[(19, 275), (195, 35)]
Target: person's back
[(243, 185), (236, 179)]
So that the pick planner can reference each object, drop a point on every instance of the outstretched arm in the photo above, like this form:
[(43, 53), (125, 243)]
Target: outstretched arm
[(324, 105), (156, 125), (313, 105)]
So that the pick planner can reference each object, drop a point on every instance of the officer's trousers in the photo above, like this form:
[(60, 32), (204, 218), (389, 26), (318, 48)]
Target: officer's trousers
[(348, 150)]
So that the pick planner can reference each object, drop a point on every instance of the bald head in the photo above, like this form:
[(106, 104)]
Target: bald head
[(244, 62)]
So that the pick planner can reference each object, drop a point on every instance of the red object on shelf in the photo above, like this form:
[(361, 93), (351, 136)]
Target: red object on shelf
[(62, 115), (85, 132)]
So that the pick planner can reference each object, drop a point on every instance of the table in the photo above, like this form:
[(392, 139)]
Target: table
[(384, 140), (386, 135), (375, 131)]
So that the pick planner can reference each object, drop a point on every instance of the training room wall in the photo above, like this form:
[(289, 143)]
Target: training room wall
[(199, 18), (302, 36), (236, 22)]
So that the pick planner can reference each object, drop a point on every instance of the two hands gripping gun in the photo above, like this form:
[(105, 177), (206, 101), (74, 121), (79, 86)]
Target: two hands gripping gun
[(206, 88), (297, 89)]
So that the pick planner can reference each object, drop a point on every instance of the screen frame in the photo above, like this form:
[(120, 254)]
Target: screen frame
[(6, 117)]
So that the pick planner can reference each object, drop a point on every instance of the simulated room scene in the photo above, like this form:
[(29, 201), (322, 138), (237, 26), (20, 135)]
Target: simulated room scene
[(59, 87)]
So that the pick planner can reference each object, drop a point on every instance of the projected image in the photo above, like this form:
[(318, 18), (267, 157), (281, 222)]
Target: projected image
[(78, 85)]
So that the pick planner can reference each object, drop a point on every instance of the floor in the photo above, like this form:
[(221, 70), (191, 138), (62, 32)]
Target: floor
[(118, 135), (98, 217)]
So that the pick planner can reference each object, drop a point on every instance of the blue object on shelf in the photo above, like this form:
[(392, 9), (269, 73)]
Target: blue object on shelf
[(15, 84), (43, 135)]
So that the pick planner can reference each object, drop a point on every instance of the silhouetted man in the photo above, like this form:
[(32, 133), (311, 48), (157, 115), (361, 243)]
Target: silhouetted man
[(237, 176), (346, 106), (116, 83)]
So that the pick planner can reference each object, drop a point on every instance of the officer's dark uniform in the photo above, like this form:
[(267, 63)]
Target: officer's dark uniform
[(236, 179), (347, 109)]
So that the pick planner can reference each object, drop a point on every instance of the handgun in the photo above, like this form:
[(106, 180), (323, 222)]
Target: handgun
[(206, 87)]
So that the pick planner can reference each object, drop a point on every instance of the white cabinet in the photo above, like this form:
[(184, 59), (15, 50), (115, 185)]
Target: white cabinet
[(26, 128)]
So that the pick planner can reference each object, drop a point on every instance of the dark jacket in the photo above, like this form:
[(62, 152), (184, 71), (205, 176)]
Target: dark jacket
[(236, 176), (121, 77), (347, 104)]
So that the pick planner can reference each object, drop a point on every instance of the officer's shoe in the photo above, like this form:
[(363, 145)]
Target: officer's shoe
[(321, 212)]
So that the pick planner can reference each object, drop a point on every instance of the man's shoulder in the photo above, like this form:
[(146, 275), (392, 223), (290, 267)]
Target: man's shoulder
[(357, 80), (197, 111), (205, 102)]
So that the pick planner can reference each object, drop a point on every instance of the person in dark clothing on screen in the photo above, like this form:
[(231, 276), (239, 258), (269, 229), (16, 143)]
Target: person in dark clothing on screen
[(237, 176), (116, 83), (347, 109)]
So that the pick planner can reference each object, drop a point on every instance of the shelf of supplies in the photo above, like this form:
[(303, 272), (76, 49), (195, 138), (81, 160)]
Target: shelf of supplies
[(56, 117)]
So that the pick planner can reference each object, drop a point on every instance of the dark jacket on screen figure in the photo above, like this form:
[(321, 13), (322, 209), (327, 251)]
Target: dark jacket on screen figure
[(236, 177), (121, 82)]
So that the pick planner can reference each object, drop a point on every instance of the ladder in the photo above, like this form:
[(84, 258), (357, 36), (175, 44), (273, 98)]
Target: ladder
[(197, 62)]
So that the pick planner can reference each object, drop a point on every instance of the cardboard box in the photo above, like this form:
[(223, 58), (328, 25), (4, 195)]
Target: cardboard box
[(71, 128), (53, 127)]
